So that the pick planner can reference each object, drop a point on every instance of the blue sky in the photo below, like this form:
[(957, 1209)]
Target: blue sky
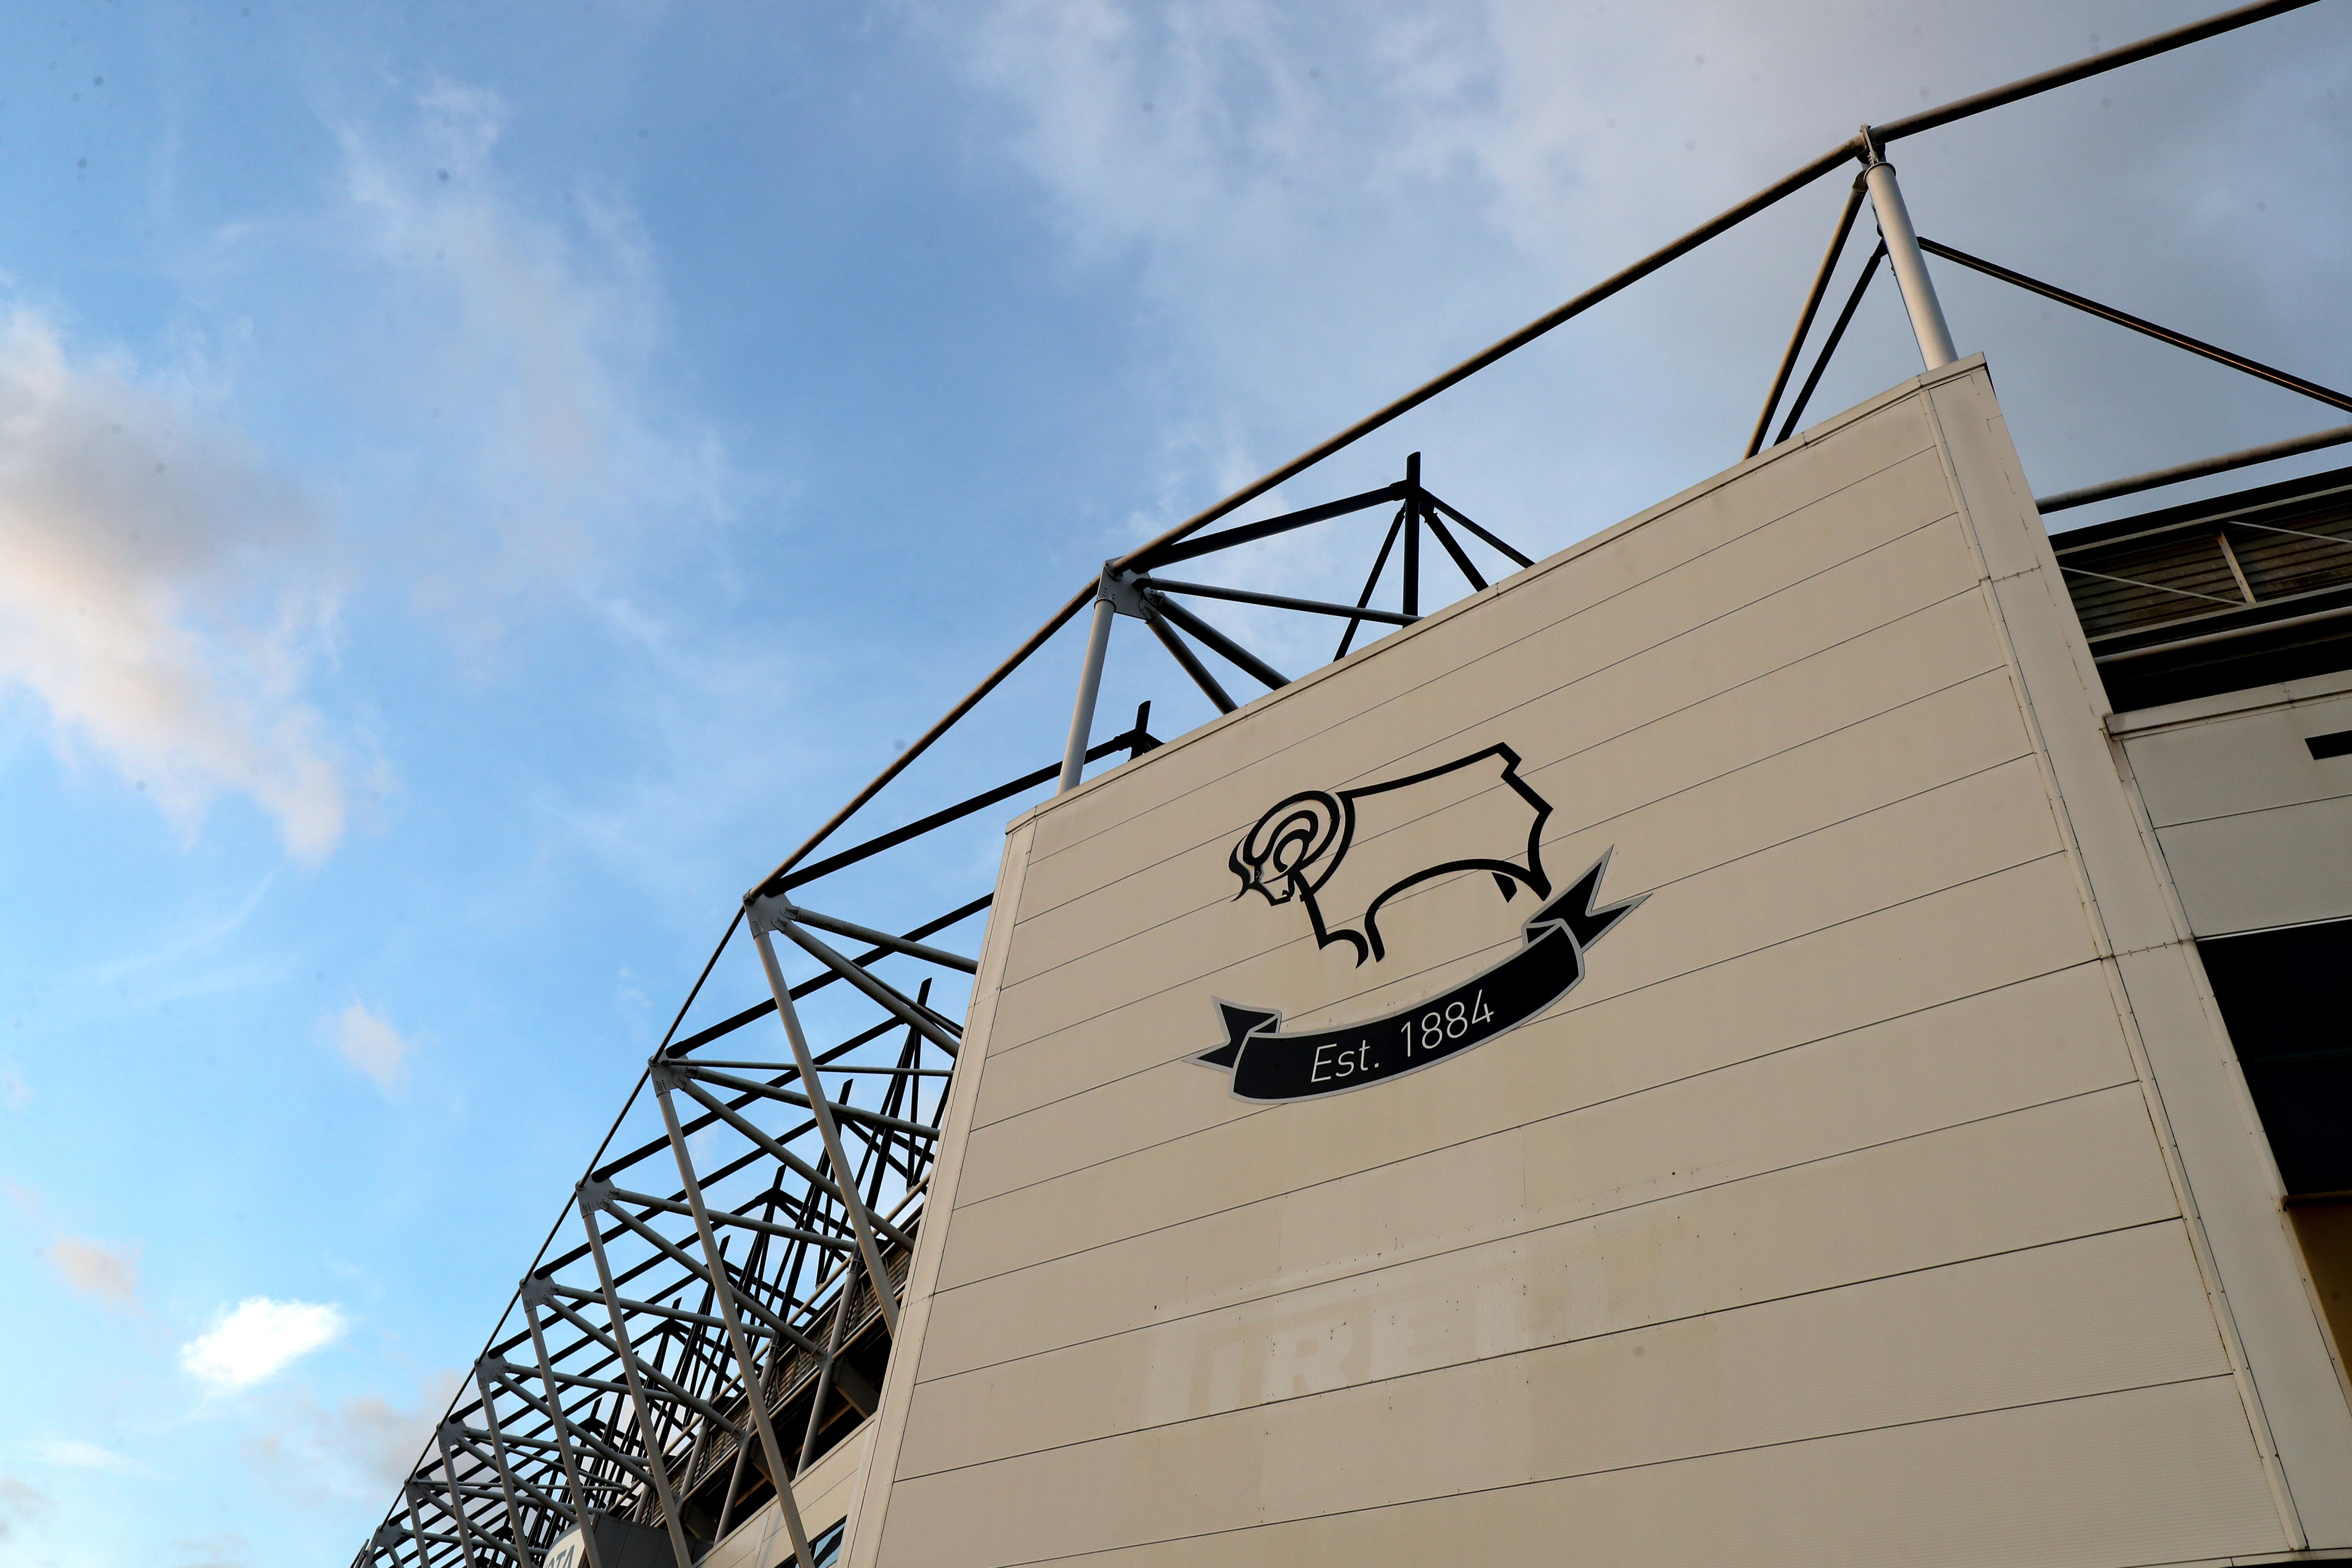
[(478, 484)]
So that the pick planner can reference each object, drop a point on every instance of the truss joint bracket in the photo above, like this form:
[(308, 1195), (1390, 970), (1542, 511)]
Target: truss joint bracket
[(1119, 590)]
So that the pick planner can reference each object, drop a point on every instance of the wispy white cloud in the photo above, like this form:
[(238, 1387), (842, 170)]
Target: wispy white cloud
[(521, 342), (1319, 216), (358, 1447), (372, 1047), (154, 599), (490, 428), (75, 1454), (94, 1268), (259, 1337)]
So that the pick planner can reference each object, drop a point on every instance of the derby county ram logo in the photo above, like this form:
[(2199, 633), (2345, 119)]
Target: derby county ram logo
[(1341, 856), (1298, 853)]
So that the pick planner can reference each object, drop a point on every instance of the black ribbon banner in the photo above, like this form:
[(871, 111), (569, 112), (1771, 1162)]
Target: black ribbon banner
[(1270, 1066)]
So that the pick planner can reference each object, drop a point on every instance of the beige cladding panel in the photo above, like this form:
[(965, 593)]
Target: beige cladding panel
[(1943, 839), (1911, 1204), (1206, 934), (2111, 1481), (1668, 656), (1647, 748), (1099, 1020), (1827, 1206), (2288, 865), (1412, 1315), (1628, 558), (1927, 1346), (2233, 762), (1584, 1054), (1763, 773), (2295, 1393), (2256, 831), (1781, 798)]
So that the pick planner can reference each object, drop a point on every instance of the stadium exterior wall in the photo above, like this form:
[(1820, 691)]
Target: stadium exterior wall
[(1879, 1187)]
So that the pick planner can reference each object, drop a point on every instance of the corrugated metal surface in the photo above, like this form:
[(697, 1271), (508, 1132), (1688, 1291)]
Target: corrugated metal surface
[(2178, 566)]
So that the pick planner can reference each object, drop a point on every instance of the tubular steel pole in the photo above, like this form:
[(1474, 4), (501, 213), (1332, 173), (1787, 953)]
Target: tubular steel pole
[(883, 995), (456, 1507), (2197, 470), (881, 939), (2088, 66), (583, 1514), (722, 1290), (499, 1453), (1910, 266), (1371, 581), (638, 1402), (2252, 367), (1082, 714), (1210, 637), (824, 1384), (415, 1524), (1216, 694), (1796, 180), (1412, 534), (1805, 317), (923, 742), (734, 1480), (1830, 344), (845, 1175)]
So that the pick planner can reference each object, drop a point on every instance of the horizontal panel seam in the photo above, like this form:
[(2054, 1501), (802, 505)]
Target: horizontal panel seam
[(1538, 1121), (1642, 1328), (1499, 944), (1542, 768), (1504, 942), (1641, 1465), (2163, 827), (1509, 647), (1677, 1197), (1196, 847)]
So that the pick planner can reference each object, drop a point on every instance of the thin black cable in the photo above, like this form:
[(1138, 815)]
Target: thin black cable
[(1371, 582), (1829, 347), (2238, 362), (1788, 184), (1805, 318)]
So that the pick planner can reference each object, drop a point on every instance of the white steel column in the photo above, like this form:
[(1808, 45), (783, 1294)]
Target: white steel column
[(416, 1522), (1910, 266), (722, 1296), (583, 1514), (638, 1404), (1082, 717), (823, 1384), (845, 1174), (522, 1548), (456, 1507)]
